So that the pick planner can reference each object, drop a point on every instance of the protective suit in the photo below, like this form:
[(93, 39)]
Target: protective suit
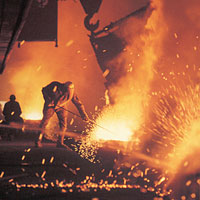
[(57, 96)]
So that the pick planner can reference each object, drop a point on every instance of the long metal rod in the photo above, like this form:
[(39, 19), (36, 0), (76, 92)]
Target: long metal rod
[(21, 126), (93, 122)]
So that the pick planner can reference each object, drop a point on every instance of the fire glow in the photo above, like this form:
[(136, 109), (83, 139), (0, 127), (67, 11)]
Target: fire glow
[(116, 129), (172, 130), (32, 116)]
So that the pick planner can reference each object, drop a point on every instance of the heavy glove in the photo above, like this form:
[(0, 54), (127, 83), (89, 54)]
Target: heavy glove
[(85, 117)]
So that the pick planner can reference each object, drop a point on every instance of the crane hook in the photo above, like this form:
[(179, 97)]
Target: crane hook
[(91, 27)]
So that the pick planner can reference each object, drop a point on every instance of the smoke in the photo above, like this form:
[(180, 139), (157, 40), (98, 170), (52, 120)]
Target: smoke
[(187, 161), (181, 44), (131, 93), (176, 90), (177, 83)]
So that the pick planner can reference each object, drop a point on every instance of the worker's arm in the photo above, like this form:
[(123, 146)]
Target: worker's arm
[(80, 107)]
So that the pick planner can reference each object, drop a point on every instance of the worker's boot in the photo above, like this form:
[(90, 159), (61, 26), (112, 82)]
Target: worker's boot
[(60, 142)]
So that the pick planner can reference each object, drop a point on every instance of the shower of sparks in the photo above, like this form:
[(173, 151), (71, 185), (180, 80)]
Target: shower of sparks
[(88, 148), (174, 135)]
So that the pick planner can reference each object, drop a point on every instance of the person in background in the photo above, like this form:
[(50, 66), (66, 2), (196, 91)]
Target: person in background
[(57, 96), (12, 111)]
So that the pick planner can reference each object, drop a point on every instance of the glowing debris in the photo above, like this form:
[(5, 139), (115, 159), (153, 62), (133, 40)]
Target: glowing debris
[(183, 198), (73, 171), (43, 161), (69, 43), (38, 68), (52, 159), (193, 196), (175, 35), (188, 183), (55, 88), (23, 157), (2, 173), (72, 121), (198, 181), (22, 42), (43, 174), (106, 72), (96, 108)]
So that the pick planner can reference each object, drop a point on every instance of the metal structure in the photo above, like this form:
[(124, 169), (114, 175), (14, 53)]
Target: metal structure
[(25, 20), (12, 18)]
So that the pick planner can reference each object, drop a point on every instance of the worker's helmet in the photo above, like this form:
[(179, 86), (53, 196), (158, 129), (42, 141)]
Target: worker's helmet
[(69, 84), (12, 97)]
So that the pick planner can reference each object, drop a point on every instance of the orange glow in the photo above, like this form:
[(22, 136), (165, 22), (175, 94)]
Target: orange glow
[(120, 120), (28, 84), (32, 116), (116, 129), (116, 133)]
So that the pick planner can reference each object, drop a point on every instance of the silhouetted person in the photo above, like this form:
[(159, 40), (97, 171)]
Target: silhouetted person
[(57, 96), (12, 111)]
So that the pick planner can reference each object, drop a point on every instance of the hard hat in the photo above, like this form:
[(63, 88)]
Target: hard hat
[(69, 84), (12, 97)]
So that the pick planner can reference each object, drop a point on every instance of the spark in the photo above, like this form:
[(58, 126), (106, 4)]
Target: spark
[(43, 161), (43, 174), (52, 159), (2, 174), (23, 157), (106, 72)]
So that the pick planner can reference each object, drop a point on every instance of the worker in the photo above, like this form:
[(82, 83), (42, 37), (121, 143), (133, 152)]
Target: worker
[(12, 111), (57, 96)]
